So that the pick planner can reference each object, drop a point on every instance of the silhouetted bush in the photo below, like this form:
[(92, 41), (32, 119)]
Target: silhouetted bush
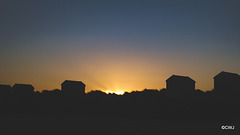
[(96, 93), (55, 92)]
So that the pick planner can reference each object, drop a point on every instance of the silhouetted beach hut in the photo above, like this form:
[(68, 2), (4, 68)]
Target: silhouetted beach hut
[(73, 88), (180, 85), (5, 90), (226, 82), (23, 89)]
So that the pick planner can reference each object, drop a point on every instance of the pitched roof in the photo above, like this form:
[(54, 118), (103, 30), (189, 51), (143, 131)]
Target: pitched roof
[(4, 86), (223, 73), (23, 85), (180, 77), (73, 82)]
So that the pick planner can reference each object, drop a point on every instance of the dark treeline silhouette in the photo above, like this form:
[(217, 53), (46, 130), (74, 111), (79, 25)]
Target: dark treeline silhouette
[(178, 101)]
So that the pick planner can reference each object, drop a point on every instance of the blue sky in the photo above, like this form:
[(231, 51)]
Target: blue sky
[(194, 38)]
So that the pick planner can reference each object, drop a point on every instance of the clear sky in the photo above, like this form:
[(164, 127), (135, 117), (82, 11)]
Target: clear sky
[(117, 44)]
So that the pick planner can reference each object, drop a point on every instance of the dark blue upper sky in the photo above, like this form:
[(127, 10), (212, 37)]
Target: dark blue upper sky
[(132, 20), (188, 32)]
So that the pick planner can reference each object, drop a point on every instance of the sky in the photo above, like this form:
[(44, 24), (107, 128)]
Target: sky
[(118, 45)]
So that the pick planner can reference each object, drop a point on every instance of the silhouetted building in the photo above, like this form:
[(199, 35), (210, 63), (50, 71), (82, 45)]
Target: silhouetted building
[(180, 85), (5, 90), (23, 89), (227, 83), (73, 88)]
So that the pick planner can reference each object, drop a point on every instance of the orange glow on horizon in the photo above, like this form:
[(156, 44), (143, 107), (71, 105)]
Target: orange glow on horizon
[(110, 71), (118, 92)]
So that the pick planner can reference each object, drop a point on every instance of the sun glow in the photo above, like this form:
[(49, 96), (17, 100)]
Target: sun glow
[(118, 92)]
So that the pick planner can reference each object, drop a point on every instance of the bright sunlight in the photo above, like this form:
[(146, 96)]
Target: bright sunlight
[(118, 92)]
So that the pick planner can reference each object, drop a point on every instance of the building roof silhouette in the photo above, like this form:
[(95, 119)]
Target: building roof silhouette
[(73, 82), (23, 85), (5, 86), (180, 77), (223, 74)]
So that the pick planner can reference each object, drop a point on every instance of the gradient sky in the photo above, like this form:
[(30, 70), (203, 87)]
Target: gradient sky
[(117, 44)]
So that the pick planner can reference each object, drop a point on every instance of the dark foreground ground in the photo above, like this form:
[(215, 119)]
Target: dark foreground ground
[(35, 124), (117, 115)]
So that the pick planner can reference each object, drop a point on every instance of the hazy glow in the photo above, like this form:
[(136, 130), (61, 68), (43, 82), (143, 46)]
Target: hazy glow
[(116, 92)]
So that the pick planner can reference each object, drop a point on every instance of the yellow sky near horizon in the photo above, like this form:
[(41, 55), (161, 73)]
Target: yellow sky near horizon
[(115, 73)]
